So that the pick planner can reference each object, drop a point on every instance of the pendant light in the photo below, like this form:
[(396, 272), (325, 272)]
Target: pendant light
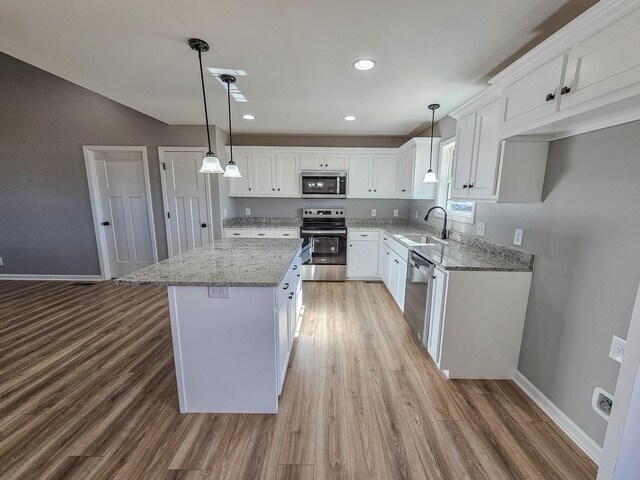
[(430, 176), (210, 163), (232, 169)]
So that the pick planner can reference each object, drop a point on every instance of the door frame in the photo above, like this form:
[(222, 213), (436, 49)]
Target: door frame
[(165, 200), (96, 204)]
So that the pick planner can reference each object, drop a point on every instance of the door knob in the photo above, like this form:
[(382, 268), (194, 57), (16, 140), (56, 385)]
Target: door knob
[(106, 224), (203, 225)]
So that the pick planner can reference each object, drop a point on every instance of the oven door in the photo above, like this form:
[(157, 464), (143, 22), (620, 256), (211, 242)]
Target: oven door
[(324, 247), (322, 186)]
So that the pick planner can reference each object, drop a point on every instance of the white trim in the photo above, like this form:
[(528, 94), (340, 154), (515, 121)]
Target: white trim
[(568, 426), (96, 206), (165, 201), (50, 278)]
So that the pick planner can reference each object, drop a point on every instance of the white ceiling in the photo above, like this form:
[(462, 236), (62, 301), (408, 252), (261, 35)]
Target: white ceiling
[(297, 53)]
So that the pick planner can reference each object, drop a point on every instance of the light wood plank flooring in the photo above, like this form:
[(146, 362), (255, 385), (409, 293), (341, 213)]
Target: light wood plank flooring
[(87, 391)]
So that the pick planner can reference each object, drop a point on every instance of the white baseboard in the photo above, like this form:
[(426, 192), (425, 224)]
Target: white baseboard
[(49, 278), (568, 426)]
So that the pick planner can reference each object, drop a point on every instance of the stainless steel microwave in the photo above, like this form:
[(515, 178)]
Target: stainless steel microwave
[(324, 184)]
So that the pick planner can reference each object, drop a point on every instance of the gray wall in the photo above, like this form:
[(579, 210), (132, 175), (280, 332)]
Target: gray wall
[(291, 207), (585, 235), (320, 141), (46, 225)]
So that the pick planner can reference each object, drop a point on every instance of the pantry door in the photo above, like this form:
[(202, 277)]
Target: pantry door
[(186, 198), (121, 205)]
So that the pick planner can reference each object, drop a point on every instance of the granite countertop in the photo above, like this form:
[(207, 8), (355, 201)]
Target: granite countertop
[(470, 254), (232, 262), (262, 222)]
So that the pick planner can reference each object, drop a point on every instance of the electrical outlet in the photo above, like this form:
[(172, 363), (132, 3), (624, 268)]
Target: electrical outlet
[(416, 213), (247, 211), (480, 228), (225, 213), (395, 212), (373, 212), (517, 237), (1, 263), (616, 352)]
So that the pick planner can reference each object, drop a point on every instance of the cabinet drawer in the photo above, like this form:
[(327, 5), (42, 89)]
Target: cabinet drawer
[(261, 233), (396, 246), (364, 235), (236, 232), (282, 233)]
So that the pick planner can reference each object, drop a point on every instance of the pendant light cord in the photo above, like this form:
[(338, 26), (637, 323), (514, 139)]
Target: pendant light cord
[(230, 132), (204, 98), (433, 118)]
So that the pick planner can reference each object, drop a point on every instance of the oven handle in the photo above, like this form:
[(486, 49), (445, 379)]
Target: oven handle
[(323, 232)]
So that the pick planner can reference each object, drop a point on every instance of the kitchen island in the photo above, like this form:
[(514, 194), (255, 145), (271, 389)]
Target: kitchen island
[(234, 307)]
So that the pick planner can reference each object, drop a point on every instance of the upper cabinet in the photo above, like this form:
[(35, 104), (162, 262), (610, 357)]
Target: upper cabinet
[(317, 161), (265, 173), (584, 77), (373, 175), (413, 163)]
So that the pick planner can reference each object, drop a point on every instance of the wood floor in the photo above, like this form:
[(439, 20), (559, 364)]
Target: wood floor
[(87, 391)]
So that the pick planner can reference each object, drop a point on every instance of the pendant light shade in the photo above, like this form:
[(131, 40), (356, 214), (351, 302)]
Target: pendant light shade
[(232, 169), (430, 176), (210, 163)]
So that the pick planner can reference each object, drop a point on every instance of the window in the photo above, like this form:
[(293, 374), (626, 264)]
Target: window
[(459, 211)]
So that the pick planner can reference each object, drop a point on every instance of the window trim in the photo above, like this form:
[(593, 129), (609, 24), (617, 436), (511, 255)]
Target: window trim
[(443, 180)]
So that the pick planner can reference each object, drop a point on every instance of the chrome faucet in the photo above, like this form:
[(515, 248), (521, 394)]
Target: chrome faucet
[(443, 235)]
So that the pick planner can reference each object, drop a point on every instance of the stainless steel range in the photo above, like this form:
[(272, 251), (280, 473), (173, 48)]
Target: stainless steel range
[(324, 248)]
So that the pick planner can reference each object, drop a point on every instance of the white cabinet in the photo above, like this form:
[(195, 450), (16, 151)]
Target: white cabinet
[(488, 168), (286, 233), (287, 175), (264, 166), (231, 232), (283, 341), (436, 313), (242, 187), (405, 172), (362, 255), (288, 316), (237, 233), (373, 175), (261, 233), (413, 163), (323, 161), (393, 266)]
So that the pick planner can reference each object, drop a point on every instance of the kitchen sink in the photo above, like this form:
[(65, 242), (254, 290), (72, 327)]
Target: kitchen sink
[(414, 239)]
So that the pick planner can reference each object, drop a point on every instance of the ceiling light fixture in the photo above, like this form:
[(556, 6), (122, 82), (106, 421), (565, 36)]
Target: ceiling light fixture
[(232, 169), (364, 64), (248, 116), (350, 118), (210, 163), (430, 176)]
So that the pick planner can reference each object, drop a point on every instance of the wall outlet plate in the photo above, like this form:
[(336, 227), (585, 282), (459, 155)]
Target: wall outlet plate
[(616, 352), (373, 212), (480, 228), (247, 211), (416, 213), (395, 212), (225, 213), (517, 237), (1, 262), (602, 402), (218, 292)]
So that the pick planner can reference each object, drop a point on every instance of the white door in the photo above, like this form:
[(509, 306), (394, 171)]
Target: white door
[(288, 175), (485, 167), (362, 259), (385, 175), (242, 187), (335, 162), (311, 162), (465, 140), (264, 173), (186, 200), (360, 171), (123, 209)]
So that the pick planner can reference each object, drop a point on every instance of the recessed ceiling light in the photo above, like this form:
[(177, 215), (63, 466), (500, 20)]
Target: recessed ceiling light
[(248, 116), (364, 64), (350, 118)]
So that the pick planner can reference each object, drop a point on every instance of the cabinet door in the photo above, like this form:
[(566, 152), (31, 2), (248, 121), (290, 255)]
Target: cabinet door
[(487, 152), (288, 175), (385, 175), (362, 259), (264, 172), (530, 97), (402, 281), (405, 173), (393, 276), (283, 341), (291, 317), (311, 162), (242, 187), (386, 266), (465, 141), (436, 313), (359, 177), (334, 162), (606, 62)]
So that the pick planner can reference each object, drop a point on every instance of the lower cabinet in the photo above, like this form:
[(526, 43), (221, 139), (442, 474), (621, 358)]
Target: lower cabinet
[(288, 317), (393, 263), (362, 255), (245, 232), (436, 313)]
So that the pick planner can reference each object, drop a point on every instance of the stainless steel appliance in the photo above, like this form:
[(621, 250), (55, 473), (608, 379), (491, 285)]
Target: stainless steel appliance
[(418, 296), (324, 247), (324, 184)]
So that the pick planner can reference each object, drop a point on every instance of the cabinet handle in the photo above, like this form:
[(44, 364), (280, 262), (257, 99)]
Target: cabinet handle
[(291, 296), (351, 245), (565, 90), (364, 234), (203, 225), (375, 190), (286, 285), (403, 190), (273, 189), (387, 253), (465, 186), (249, 188), (369, 189), (278, 189), (237, 234), (295, 267), (471, 185), (550, 96), (286, 234)]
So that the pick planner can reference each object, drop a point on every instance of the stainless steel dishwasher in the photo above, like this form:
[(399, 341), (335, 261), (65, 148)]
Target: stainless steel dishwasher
[(418, 296)]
